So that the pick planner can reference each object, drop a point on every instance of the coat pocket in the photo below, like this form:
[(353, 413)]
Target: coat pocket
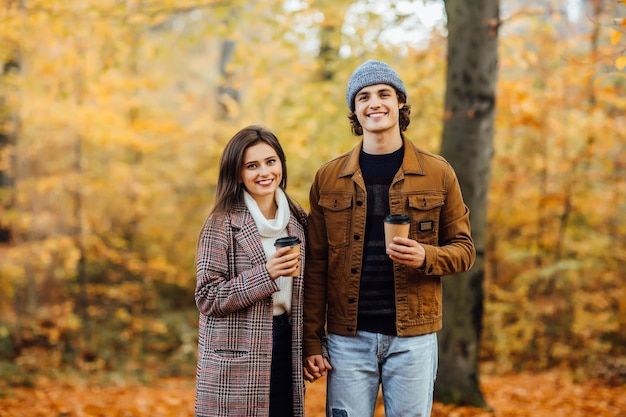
[(337, 217), (425, 213)]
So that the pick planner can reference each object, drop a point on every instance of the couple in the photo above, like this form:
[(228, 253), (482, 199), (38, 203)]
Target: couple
[(356, 311)]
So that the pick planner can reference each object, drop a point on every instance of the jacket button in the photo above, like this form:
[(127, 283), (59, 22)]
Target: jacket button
[(350, 329), (356, 237), (353, 271), (351, 300), (359, 203), (430, 269)]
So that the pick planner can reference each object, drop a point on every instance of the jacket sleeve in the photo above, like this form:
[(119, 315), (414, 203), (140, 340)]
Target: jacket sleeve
[(220, 289), (315, 276), (455, 252)]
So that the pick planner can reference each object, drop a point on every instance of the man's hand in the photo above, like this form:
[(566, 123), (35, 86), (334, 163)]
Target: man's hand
[(315, 367), (407, 252)]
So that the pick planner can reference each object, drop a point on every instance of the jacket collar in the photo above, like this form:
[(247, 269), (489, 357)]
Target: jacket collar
[(240, 216), (411, 164)]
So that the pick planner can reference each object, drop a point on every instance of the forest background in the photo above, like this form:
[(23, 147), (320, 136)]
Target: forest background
[(113, 115)]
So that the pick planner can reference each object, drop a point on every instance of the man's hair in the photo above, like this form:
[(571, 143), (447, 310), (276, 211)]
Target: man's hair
[(404, 116)]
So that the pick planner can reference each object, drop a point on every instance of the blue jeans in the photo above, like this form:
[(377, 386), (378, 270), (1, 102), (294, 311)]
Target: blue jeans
[(405, 366)]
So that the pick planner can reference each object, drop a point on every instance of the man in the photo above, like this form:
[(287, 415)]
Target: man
[(372, 311)]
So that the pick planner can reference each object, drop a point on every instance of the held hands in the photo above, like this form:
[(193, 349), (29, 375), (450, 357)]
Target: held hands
[(315, 367), (407, 252), (282, 263)]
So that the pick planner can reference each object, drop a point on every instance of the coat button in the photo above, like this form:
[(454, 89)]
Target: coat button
[(357, 237)]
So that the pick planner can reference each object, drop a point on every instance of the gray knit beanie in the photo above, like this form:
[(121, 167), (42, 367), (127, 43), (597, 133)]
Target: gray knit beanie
[(370, 73)]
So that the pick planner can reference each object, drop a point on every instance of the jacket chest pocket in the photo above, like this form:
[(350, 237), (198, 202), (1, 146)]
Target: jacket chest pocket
[(337, 217), (425, 214)]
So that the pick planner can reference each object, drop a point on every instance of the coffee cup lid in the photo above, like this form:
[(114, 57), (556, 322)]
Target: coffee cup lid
[(287, 241), (397, 219)]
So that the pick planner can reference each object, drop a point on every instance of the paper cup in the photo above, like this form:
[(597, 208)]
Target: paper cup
[(396, 225), (294, 243)]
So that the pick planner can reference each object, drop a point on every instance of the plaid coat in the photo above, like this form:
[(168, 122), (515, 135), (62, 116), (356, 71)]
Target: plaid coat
[(234, 296)]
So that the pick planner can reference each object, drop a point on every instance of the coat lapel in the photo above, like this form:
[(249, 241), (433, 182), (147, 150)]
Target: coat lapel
[(247, 235)]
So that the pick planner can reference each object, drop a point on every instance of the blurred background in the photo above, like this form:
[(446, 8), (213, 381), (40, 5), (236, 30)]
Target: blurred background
[(113, 115)]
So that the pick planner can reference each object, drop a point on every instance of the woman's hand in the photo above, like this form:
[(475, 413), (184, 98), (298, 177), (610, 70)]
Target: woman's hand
[(315, 367), (282, 263)]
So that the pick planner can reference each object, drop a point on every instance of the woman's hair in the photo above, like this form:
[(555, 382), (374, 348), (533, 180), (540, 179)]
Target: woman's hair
[(404, 115), (229, 186)]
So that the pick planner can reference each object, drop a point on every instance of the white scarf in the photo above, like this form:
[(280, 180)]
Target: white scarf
[(269, 231)]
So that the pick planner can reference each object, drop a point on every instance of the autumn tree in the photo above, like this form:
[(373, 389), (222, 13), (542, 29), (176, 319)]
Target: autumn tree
[(556, 228), (117, 127), (468, 146), (10, 66)]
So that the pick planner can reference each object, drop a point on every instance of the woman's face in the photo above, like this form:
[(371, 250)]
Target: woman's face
[(262, 171)]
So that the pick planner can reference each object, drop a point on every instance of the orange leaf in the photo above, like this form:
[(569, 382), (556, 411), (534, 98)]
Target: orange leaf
[(615, 37)]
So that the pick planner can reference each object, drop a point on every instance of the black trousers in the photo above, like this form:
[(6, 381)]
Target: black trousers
[(281, 392)]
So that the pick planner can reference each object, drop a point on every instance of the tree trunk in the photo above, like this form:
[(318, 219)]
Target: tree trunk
[(468, 145), (9, 131), (227, 92), (330, 36), (9, 128), (78, 229), (228, 100)]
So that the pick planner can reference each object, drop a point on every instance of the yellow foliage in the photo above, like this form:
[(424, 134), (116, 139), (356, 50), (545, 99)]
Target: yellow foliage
[(122, 123), (615, 37)]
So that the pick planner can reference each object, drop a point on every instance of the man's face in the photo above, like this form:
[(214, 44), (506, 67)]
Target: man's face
[(377, 108)]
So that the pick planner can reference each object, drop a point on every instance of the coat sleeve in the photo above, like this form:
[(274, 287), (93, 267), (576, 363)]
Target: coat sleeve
[(315, 277), (220, 288), (455, 252)]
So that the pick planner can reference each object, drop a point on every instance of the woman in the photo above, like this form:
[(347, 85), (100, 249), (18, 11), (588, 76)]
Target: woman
[(250, 328)]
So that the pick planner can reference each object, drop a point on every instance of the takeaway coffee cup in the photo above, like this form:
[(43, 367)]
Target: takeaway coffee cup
[(396, 225), (294, 242)]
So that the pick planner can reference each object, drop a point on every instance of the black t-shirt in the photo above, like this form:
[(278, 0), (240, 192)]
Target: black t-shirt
[(377, 310)]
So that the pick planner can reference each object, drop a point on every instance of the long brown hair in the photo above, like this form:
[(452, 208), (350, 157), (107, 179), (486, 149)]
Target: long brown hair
[(404, 116), (229, 187)]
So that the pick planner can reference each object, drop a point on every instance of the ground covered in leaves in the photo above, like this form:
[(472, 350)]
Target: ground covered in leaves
[(550, 394)]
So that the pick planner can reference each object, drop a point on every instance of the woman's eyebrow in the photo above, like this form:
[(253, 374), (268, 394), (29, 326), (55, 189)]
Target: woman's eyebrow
[(265, 159)]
